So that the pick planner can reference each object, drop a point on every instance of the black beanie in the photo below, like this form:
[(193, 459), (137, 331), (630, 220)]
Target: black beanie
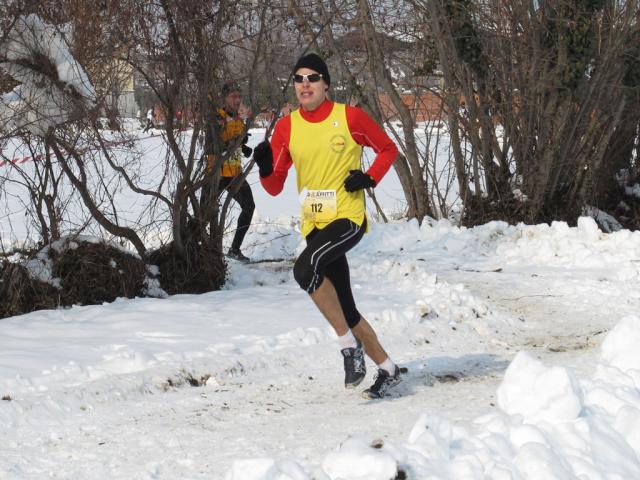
[(229, 87), (314, 62)]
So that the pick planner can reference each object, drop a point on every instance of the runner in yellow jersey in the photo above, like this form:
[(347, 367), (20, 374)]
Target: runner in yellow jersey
[(324, 141), (229, 127)]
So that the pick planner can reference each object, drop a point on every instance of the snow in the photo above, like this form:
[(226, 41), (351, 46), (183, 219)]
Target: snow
[(633, 191), (537, 393), (521, 344), (39, 103), (608, 222)]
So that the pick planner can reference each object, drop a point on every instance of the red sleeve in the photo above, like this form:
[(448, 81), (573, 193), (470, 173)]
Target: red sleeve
[(282, 162), (366, 132)]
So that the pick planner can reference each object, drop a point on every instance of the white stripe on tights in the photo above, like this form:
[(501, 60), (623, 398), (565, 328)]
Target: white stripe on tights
[(315, 276)]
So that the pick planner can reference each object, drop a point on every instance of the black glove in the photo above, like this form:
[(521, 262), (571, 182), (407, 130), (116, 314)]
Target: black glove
[(357, 180), (246, 151), (263, 156)]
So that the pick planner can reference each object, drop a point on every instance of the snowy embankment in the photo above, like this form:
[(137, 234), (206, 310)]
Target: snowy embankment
[(551, 425), (104, 391)]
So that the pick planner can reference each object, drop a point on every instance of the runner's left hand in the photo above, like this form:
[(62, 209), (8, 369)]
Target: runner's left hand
[(358, 180)]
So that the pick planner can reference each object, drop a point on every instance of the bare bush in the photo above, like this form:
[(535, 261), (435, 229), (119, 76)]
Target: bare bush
[(545, 92), (70, 272)]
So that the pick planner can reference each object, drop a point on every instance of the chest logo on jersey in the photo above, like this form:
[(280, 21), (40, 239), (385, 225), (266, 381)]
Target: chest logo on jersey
[(338, 143)]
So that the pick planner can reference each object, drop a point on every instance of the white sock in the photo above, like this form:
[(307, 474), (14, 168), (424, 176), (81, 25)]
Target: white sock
[(388, 365), (347, 340)]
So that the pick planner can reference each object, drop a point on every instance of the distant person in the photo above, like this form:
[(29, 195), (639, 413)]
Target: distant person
[(151, 116), (324, 141), (229, 127)]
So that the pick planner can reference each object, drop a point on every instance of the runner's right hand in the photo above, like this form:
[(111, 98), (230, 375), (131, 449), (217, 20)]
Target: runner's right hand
[(246, 151), (264, 158)]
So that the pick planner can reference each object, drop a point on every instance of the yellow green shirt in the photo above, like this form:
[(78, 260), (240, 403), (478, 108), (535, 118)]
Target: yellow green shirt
[(323, 153)]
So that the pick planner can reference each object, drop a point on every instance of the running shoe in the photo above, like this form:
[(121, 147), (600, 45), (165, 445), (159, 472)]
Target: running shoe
[(236, 254), (355, 367), (382, 383)]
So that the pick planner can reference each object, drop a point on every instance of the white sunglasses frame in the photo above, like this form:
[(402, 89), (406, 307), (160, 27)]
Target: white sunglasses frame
[(306, 76)]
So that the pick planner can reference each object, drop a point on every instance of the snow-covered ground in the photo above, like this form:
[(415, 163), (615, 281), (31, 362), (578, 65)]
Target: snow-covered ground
[(521, 344)]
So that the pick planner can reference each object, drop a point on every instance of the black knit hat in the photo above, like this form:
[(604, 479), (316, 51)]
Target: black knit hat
[(229, 87), (314, 62)]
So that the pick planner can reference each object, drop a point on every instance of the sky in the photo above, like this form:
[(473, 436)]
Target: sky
[(520, 344)]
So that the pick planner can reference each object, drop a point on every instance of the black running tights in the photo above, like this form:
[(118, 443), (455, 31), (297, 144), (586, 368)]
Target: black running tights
[(325, 256)]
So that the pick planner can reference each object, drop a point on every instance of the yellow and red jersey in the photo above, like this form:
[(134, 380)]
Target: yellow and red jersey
[(324, 145)]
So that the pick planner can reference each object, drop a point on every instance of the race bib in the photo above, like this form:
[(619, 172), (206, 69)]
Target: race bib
[(319, 205)]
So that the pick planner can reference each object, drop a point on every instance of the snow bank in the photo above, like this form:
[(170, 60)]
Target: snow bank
[(555, 245), (539, 394), (550, 425)]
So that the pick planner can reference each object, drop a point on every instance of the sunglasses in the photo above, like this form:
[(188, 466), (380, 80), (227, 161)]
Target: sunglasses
[(309, 77)]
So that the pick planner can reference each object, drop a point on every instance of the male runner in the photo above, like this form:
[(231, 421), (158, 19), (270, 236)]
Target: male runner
[(324, 141)]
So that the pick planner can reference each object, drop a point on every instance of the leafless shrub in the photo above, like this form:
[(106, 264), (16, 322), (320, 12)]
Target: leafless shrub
[(207, 271), (20, 293), (79, 273), (545, 94), (97, 272)]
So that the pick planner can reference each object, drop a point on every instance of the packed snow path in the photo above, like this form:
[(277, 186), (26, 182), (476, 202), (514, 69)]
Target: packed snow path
[(182, 387)]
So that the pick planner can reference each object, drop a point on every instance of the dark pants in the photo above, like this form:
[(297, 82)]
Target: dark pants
[(325, 256), (244, 197)]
